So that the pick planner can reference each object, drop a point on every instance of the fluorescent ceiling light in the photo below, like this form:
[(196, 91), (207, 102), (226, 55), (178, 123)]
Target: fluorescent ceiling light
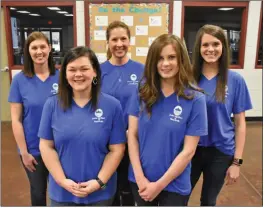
[(62, 12), (23, 12), (12, 8), (225, 9), (34, 14), (69, 15), (53, 8)]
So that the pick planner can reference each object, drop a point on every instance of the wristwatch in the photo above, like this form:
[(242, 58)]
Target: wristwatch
[(238, 161), (102, 185)]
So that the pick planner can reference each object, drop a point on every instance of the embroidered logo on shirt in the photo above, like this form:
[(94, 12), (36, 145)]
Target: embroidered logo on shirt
[(54, 88), (177, 111), (133, 80), (226, 91), (98, 118)]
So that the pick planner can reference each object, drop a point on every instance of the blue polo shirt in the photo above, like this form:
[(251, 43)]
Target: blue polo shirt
[(221, 130), (121, 81), (161, 137), (81, 137), (32, 93)]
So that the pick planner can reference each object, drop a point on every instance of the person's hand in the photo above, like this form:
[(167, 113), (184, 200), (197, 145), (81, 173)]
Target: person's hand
[(151, 191), (142, 183), (73, 187), (232, 174), (89, 186), (29, 161)]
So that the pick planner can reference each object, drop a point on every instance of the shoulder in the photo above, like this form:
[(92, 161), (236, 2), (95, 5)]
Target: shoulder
[(19, 77), (235, 76), (105, 64), (197, 95), (136, 64), (52, 99), (109, 100)]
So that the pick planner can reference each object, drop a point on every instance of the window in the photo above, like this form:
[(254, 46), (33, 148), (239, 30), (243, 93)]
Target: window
[(58, 27), (231, 16), (259, 58)]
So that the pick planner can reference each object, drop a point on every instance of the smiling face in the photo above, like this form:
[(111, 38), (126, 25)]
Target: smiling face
[(119, 42), (39, 51), (167, 65), (80, 74), (211, 48)]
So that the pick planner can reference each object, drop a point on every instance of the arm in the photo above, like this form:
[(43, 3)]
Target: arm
[(180, 162), (240, 137), (52, 162), (133, 146), (18, 131)]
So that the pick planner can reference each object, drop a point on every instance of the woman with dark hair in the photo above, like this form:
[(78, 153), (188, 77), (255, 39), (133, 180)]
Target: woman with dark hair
[(167, 116), (219, 154), (28, 93), (120, 77), (82, 135)]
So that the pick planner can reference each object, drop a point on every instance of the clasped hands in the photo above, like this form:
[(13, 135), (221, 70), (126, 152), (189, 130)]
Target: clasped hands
[(148, 191), (80, 189)]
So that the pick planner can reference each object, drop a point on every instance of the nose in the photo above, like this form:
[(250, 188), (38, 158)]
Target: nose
[(210, 48), (119, 43), (165, 62), (39, 51), (78, 73)]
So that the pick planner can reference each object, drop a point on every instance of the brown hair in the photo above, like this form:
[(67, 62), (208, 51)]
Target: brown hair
[(224, 60), (65, 90), (149, 91), (28, 62), (113, 25)]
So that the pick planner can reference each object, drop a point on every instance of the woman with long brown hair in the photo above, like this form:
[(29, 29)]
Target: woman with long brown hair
[(167, 116), (29, 90), (219, 154), (120, 77)]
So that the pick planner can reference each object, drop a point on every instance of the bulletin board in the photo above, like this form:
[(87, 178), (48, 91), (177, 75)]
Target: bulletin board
[(145, 20)]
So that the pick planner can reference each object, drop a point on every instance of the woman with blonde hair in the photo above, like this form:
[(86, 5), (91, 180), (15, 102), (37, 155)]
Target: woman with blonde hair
[(120, 77), (167, 116), (219, 154)]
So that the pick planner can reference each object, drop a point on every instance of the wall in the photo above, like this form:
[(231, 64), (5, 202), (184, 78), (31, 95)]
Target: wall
[(252, 76), (4, 84)]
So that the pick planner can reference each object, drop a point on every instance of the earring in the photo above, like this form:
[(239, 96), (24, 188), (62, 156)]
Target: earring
[(95, 81)]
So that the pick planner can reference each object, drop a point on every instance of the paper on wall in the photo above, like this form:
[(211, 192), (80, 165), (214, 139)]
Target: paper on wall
[(101, 20), (141, 51), (132, 41), (150, 40), (141, 30), (155, 21), (102, 57), (99, 35), (128, 20)]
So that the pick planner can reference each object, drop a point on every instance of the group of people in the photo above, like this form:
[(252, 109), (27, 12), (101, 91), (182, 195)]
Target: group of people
[(122, 133)]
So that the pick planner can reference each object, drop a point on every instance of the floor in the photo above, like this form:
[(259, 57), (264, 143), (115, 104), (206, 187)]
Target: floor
[(246, 192)]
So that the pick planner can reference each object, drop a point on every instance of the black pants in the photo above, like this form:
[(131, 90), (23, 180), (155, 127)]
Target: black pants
[(38, 182), (213, 164), (165, 198), (104, 203), (123, 196)]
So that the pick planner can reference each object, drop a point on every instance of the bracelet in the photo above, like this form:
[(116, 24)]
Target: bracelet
[(101, 184), (235, 163)]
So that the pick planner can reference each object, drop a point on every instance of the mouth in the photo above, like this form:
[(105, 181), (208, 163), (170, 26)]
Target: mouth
[(78, 81), (166, 70)]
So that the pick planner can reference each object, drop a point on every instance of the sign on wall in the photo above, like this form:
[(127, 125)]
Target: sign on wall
[(145, 20)]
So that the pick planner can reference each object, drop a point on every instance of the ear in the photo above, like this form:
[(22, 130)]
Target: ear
[(50, 48)]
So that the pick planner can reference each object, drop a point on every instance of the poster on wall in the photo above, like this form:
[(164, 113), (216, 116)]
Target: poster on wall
[(145, 20)]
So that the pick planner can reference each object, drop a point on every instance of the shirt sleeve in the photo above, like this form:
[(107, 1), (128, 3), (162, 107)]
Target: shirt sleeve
[(197, 124), (45, 129), (118, 131), (134, 104), (14, 94), (242, 101)]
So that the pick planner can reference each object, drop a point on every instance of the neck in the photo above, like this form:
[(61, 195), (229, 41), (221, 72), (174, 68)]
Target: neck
[(168, 86), (82, 95), (210, 69), (119, 61), (41, 68)]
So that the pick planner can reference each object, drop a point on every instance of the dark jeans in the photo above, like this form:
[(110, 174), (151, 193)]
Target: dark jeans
[(213, 164), (123, 196), (165, 198), (38, 182), (104, 203)]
